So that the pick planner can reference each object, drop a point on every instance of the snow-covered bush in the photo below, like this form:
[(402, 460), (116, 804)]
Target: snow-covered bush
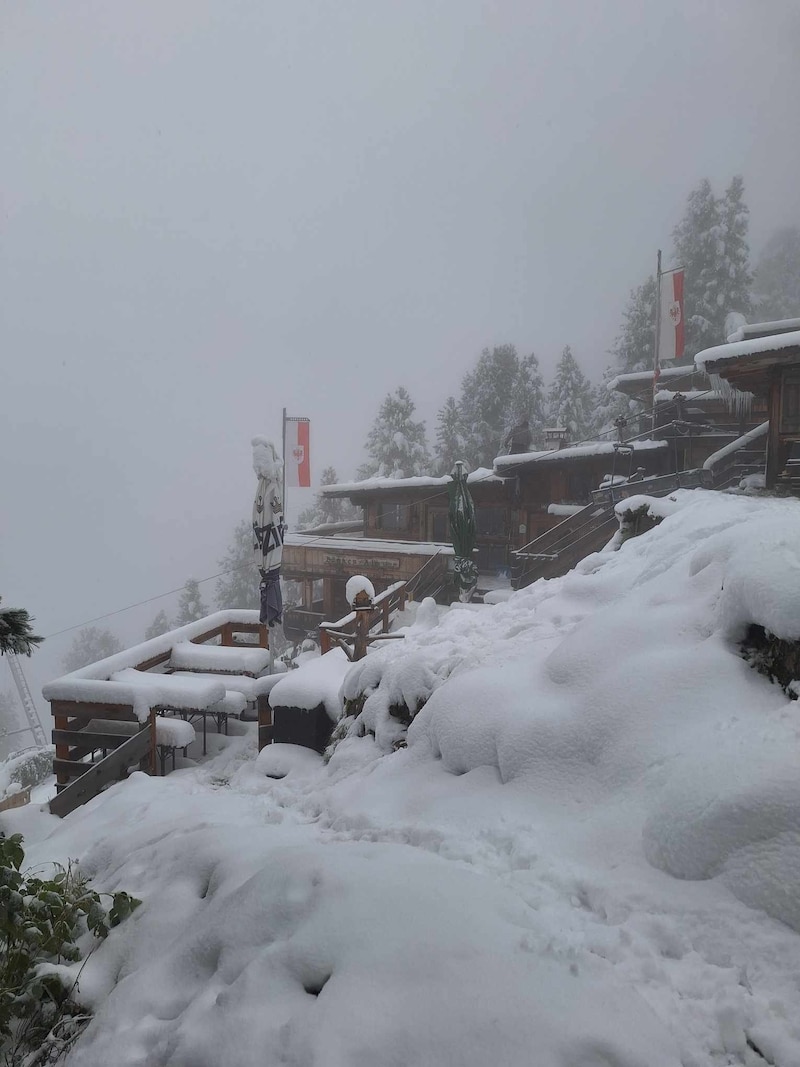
[(42, 921), (25, 770), (382, 693)]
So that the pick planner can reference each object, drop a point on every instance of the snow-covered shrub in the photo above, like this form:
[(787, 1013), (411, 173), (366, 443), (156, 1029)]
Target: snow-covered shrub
[(26, 770), (41, 922), (774, 657), (382, 693)]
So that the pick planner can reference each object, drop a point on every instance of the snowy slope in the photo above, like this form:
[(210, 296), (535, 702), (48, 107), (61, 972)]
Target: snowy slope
[(588, 855)]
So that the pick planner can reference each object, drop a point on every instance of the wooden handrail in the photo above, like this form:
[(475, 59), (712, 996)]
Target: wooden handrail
[(98, 775)]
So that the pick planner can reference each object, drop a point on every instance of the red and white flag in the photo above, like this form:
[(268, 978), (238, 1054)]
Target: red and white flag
[(671, 327), (297, 460)]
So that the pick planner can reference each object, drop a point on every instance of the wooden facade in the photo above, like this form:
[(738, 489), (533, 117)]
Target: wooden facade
[(324, 564), (768, 367)]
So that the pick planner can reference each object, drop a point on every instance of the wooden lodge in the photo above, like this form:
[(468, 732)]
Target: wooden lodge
[(760, 367), (322, 565)]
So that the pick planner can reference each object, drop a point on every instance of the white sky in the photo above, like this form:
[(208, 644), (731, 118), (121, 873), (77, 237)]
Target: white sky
[(215, 209)]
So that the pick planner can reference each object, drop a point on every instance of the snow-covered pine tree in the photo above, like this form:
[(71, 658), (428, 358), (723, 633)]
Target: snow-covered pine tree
[(238, 585), (570, 400), (158, 626), (776, 288), (190, 604), (736, 277), (449, 445), (396, 444), (16, 631), (501, 392), (528, 403), (326, 510), (633, 348), (90, 645), (711, 243), (609, 405)]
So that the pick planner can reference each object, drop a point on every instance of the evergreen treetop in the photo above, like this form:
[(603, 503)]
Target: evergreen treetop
[(396, 444), (570, 399), (777, 277), (16, 632)]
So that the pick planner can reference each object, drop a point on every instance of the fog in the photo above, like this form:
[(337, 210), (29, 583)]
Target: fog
[(214, 210)]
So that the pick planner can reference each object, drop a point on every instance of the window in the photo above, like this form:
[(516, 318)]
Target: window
[(790, 402), (490, 522), (393, 516), (438, 525)]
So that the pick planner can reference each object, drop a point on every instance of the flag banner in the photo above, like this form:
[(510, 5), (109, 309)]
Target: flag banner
[(297, 458), (671, 327)]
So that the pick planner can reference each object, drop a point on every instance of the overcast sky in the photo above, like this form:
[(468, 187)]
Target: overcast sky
[(217, 208)]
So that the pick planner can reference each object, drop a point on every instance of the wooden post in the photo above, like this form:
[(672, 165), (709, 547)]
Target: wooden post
[(226, 634), (152, 726), (362, 629), (385, 616), (324, 641), (263, 635), (401, 600)]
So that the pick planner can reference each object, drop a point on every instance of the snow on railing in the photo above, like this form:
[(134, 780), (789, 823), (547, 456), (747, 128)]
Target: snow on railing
[(735, 446)]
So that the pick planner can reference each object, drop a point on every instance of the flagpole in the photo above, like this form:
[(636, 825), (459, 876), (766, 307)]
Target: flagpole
[(657, 338), (283, 454)]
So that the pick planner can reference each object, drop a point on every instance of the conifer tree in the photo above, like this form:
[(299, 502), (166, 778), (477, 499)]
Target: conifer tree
[(501, 392), (158, 626), (570, 399), (633, 348), (776, 288), (609, 405), (450, 444), (396, 444), (16, 631), (736, 278), (326, 510), (238, 585), (711, 243), (90, 645), (190, 604)]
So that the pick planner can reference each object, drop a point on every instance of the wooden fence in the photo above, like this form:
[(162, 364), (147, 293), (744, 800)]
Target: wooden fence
[(86, 730)]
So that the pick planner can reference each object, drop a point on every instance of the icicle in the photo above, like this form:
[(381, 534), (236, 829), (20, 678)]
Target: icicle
[(736, 400)]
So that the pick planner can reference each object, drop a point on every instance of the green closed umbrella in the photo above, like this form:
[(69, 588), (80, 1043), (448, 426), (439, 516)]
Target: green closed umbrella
[(462, 532)]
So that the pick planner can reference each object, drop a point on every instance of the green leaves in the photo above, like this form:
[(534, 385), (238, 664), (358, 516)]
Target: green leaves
[(41, 923)]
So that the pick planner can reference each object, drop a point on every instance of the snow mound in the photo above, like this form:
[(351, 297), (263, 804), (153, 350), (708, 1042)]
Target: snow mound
[(254, 947), (317, 681)]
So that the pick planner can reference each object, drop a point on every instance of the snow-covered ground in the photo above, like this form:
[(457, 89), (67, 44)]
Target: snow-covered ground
[(587, 856)]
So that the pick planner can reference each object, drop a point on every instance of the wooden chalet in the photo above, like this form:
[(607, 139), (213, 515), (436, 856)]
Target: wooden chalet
[(416, 510), (688, 411), (760, 368), (322, 564)]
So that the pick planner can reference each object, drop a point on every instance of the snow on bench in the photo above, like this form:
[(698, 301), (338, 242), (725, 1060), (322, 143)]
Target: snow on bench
[(187, 656), (174, 733), (250, 688)]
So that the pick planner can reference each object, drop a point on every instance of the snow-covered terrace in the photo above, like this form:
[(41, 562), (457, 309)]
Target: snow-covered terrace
[(110, 681)]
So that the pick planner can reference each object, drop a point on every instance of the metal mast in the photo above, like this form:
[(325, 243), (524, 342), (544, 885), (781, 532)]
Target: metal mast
[(25, 696)]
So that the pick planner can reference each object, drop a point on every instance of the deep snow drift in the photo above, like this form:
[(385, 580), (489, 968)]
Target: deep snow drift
[(587, 856)]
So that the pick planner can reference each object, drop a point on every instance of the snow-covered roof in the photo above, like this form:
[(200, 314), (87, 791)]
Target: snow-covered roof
[(368, 545), (642, 377), (762, 329), (368, 485), (592, 448), (754, 346)]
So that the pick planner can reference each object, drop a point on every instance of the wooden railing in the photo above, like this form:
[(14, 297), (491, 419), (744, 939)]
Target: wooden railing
[(84, 729), (361, 627), (134, 751)]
